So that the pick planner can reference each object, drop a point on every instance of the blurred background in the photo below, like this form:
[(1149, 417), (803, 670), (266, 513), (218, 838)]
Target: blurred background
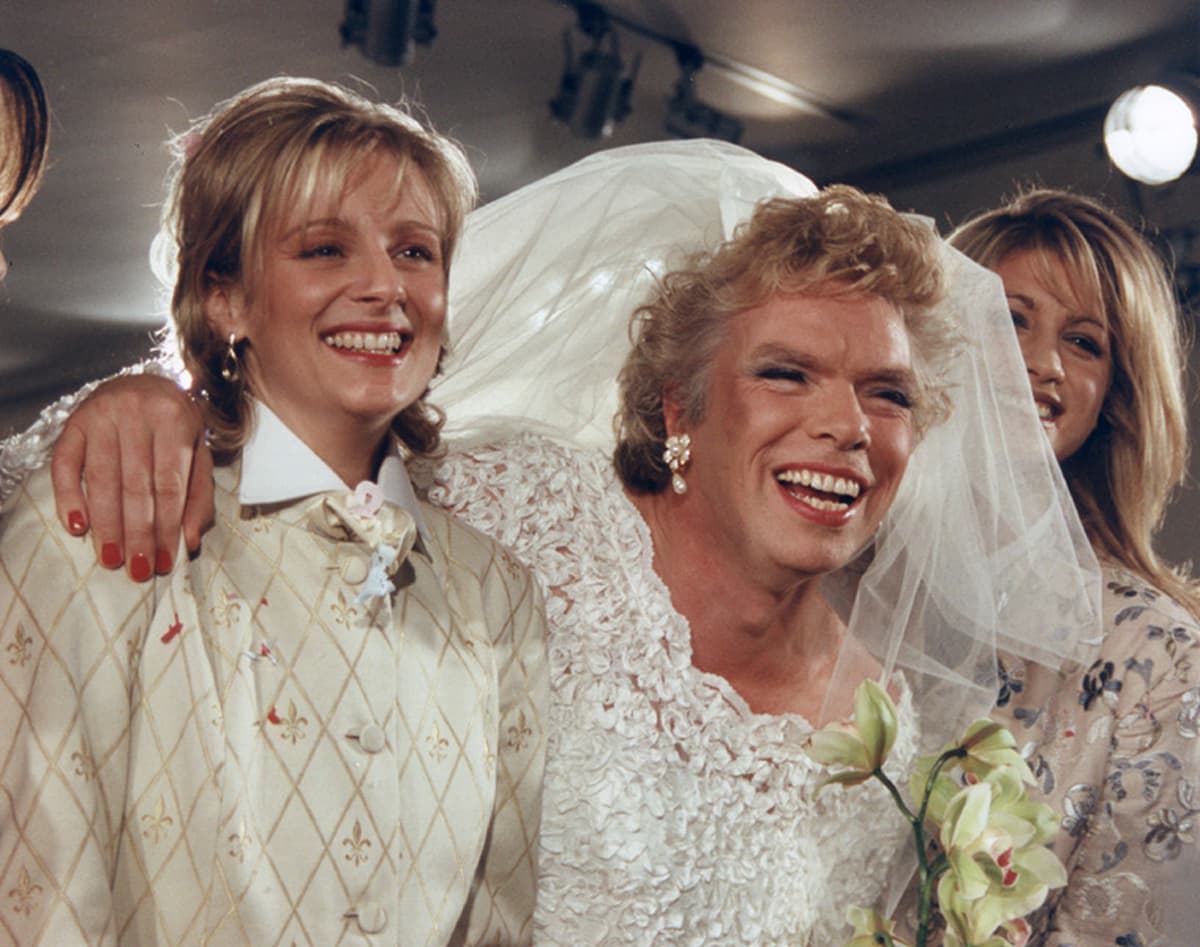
[(945, 106)]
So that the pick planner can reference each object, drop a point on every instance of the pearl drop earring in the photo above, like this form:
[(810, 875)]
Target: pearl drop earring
[(676, 456)]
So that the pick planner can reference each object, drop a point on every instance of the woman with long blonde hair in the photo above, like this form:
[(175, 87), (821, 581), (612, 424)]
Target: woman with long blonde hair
[(1116, 744)]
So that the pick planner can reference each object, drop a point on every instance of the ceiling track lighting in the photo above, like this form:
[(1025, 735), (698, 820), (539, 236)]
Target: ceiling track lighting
[(388, 31), (1151, 131), (687, 116), (596, 89)]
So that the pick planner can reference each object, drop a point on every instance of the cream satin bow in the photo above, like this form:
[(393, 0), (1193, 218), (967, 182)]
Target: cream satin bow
[(364, 517)]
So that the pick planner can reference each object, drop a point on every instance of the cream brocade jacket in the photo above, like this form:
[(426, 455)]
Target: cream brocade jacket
[(253, 751)]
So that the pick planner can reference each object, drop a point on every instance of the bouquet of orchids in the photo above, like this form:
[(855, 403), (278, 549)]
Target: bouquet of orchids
[(993, 867)]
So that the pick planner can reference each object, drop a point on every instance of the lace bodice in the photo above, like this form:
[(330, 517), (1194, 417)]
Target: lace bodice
[(673, 814)]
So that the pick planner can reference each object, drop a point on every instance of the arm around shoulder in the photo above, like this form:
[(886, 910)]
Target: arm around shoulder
[(29, 450)]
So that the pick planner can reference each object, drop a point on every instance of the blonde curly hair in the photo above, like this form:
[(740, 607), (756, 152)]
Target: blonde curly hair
[(840, 242)]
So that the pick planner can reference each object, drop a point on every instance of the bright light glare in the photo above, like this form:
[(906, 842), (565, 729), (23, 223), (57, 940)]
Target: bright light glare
[(1150, 134)]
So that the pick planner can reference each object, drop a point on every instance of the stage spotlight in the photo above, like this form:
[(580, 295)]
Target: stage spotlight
[(387, 31), (595, 90), (1150, 131), (687, 116)]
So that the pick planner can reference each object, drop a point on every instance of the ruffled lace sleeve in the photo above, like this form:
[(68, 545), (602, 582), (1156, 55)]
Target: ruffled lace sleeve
[(1115, 746), (25, 452)]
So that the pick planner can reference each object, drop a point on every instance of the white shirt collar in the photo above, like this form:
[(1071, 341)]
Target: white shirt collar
[(277, 466)]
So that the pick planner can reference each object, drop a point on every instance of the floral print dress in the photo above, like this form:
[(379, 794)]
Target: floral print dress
[(1115, 748)]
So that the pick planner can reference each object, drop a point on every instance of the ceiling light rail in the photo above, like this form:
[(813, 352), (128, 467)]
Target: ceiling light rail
[(596, 89)]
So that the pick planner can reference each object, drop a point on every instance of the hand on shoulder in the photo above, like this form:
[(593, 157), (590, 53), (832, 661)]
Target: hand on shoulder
[(132, 467)]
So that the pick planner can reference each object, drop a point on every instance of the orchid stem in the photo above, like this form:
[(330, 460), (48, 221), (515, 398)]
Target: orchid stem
[(879, 774), (927, 873), (954, 753)]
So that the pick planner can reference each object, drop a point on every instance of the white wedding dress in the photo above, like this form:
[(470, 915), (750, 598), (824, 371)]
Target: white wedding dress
[(672, 813)]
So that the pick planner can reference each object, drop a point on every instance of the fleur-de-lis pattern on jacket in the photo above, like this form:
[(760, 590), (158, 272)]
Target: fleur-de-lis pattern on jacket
[(242, 753)]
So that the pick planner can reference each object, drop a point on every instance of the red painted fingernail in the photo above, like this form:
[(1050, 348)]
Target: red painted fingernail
[(139, 567), (162, 562), (110, 555), (76, 523)]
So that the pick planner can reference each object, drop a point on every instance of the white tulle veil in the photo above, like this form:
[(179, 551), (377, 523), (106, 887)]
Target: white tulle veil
[(982, 548)]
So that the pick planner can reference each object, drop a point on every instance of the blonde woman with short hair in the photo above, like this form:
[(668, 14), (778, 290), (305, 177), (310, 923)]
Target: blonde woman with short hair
[(327, 725)]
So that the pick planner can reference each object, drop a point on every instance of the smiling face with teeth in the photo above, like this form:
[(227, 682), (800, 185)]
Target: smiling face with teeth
[(344, 318), (806, 434), (1065, 345)]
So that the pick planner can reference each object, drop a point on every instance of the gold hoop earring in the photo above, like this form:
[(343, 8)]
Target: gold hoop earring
[(231, 369), (677, 455)]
